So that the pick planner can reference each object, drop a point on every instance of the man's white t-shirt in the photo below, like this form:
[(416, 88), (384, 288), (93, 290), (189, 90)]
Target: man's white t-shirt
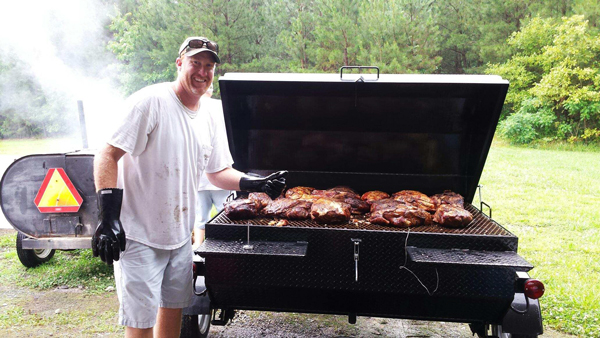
[(216, 134), (159, 172)]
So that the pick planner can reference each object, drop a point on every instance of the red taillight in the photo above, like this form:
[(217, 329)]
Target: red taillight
[(534, 289)]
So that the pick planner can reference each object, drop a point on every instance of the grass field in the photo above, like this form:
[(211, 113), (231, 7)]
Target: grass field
[(21, 147), (549, 198)]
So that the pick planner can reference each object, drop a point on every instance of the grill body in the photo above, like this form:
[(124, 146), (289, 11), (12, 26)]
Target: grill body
[(323, 280)]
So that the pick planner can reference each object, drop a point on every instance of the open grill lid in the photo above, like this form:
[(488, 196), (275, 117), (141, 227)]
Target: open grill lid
[(420, 132)]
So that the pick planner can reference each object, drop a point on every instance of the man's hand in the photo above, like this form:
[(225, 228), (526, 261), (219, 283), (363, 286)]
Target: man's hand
[(273, 184), (109, 239)]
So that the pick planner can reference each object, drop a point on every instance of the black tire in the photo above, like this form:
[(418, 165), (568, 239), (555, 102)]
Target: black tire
[(32, 257), (196, 326)]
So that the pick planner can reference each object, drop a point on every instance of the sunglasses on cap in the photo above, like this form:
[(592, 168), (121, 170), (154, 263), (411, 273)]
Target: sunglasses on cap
[(201, 43)]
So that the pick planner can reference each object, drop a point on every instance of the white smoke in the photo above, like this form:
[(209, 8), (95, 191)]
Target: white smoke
[(64, 45)]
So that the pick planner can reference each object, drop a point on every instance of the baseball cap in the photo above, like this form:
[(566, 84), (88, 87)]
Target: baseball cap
[(196, 44)]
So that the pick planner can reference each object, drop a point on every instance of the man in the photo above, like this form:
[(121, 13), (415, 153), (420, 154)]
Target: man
[(208, 194), (155, 159)]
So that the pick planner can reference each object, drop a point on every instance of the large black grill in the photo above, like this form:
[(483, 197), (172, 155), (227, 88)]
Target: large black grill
[(425, 133)]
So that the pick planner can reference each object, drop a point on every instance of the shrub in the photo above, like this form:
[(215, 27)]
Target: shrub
[(532, 121)]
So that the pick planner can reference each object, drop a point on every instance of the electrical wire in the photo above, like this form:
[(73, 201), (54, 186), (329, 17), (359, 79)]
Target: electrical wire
[(437, 276)]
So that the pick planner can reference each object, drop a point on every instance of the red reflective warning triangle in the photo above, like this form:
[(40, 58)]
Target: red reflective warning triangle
[(57, 193)]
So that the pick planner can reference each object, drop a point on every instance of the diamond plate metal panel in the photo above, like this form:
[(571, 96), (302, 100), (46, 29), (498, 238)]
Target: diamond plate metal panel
[(469, 257), (265, 248)]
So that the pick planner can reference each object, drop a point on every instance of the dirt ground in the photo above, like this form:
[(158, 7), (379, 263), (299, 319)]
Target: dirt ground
[(74, 312), (62, 304)]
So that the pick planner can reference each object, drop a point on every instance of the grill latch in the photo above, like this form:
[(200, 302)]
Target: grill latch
[(356, 242)]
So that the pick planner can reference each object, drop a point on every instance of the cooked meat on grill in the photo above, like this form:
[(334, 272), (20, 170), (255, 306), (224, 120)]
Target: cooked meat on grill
[(379, 207), (386, 203), (336, 194), (343, 194), (241, 209), (288, 208), (280, 223), (326, 210), (402, 215), (261, 199), (298, 192), (357, 206), (344, 189), (452, 216), (415, 198), (448, 197), (375, 195)]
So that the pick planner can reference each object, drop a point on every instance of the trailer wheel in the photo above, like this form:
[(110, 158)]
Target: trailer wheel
[(32, 257), (196, 326)]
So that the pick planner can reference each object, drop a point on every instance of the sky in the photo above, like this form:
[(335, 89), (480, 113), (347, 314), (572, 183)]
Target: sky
[(62, 43)]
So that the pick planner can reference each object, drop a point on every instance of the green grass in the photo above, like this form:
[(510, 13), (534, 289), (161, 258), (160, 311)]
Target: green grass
[(7, 241), (550, 199), (67, 268), (21, 147)]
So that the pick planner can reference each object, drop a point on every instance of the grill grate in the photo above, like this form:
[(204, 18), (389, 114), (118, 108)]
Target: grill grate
[(481, 225)]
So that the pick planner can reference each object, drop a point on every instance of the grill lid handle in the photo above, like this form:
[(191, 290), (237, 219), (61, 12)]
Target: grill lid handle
[(360, 68)]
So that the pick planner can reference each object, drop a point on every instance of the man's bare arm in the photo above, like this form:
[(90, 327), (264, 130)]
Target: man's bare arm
[(226, 179), (106, 168)]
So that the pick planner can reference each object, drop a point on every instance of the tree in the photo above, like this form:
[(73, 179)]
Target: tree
[(554, 67), (459, 28), (336, 34), (297, 32), (499, 19), (146, 42), (399, 36), (591, 10)]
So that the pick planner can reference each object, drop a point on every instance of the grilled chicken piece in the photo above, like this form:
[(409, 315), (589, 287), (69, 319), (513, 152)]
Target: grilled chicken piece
[(326, 210), (375, 195), (346, 195), (288, 208), (241, 209), (298, 192), (452, 216), (415, 198), (402, 215), (448, 197), (261, 199)]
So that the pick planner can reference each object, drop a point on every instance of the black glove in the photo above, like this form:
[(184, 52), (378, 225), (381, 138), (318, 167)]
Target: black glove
[(109, 239), (273, 184)]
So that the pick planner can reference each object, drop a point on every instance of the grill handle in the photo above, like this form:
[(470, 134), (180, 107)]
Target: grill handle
[(360, 68), (482, 203), (356, 242)]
